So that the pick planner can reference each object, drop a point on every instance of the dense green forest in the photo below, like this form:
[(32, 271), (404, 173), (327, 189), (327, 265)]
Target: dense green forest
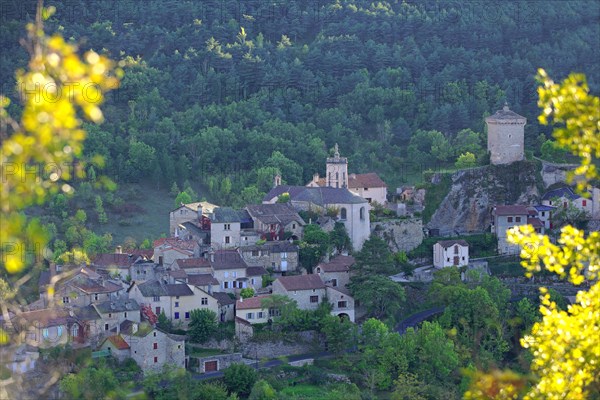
[(222, 93)]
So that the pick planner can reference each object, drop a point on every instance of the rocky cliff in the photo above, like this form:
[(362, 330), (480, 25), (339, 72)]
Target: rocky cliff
[(400, 234), (554, 173), (466, 208)]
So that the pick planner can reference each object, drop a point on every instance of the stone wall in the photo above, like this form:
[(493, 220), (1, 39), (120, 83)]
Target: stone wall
[(400, 234), (305, 342), (223, 361)]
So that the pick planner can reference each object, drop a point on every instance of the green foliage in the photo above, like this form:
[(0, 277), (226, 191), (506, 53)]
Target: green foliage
[(203, 324), (163, 322), (313, 246), (174, 190), (381, 296), (374, 258), (246, 293), (434, 194), (551, 151), (182, 198), (262, 391), (240, 378), (92, 383), (339, 333), (466, 160), (339, 238)]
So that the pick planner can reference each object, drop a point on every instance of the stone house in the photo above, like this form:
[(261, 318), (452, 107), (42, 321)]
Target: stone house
[(348, 208), (252, 311), (341, 301), (280, 257), (196, 265), (176, 300), (142, 270), (506, 136), (307, 290), (149, 347), (368, 186), (504, 218), (167, 250), (273, 220), (116, 346), (87, 325), (113, 312), (226, 227), (43, 328), (119, 263), (84, 287), (562, 197), (191, 212), (544, 214), (447, 253), (232, 272), (336, 272)]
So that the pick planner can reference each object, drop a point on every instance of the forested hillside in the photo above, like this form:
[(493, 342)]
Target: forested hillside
[(222, 92)]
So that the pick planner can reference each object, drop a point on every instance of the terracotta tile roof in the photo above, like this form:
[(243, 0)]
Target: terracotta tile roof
[(511, 210), (339, 263), (178, 274), (449, 243), (118, 342), (176, 243), (370, 180), (192, 263), (227, 259), (202, 280), (535, 222), (42, 318), (252, 302), (206, 206), (301, 282), (114, 260)]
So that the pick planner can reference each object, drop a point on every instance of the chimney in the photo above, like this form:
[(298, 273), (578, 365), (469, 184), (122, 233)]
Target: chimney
[(209, 289), (212, 256), (118, 328), (119, 250), (277, 181), (134, 328)]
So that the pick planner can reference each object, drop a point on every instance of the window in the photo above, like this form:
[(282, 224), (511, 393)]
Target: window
[(274, 312), (249, 315), (314, 299), (366, 189), (362, 213), (125, 314), (293, 226), (583, 203), (187, 315), (510, 219), (543, 213), (226, 274), (176, 304), (463, 258), (342, 304), (45, 333), (227, 227), (448, 259), (176, 315), (155, 346), (96, 296), (284, 255), (66, 300), (156, 298), (254, 253), (75, 330), (225, 285), (105, 327), (177, 297), (565, 204), (260, 314), (109, 315), (343, 213), (234, 274), (334, 282), (154, 334), (179, 346), (456, 249), (204, 301), (226, 239), (517, 219), (155, 360), (252, 281), (157, 310)]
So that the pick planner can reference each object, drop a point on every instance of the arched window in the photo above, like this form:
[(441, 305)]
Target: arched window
[(455, 249), (343, 213), (362, 213), (75, 330)]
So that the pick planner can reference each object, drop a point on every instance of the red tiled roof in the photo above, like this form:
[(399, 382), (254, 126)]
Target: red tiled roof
[(252, 302), (535, 222), (339, 263), (202, 280), (178, 274), (176, 243), (301, 282), (370, 180), (43, 318), (118, 342), (511, 210), (113, 259), (228, 259)]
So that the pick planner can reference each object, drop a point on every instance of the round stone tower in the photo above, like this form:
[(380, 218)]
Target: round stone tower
[(506, 136), (337, 170)]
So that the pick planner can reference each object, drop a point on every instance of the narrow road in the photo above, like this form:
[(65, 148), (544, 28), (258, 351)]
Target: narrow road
[(417, 318)]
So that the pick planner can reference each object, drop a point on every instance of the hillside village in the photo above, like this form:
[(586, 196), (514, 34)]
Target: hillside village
[(238, 262)]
